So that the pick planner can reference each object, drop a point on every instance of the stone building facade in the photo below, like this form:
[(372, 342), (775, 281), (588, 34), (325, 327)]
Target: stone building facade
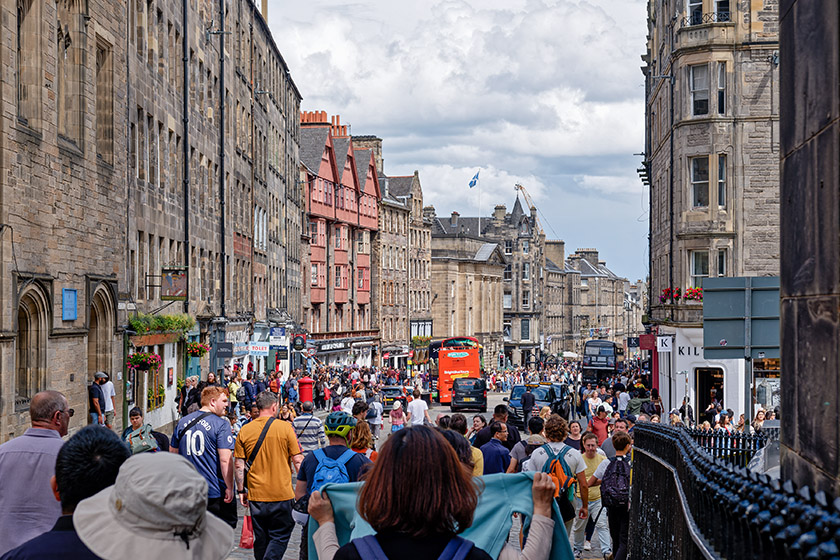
[(343, 206), (712, 160), (212, 196), (62, 195), (120, 159), (601, 307), (408, 189), (522, 241), (391, 254), (467, 289), (561, 311)]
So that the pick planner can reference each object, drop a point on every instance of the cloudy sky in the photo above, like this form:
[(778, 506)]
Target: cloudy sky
[(547, 93)]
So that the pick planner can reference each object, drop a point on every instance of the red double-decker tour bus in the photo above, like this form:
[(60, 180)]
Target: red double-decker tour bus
[(456, 357)]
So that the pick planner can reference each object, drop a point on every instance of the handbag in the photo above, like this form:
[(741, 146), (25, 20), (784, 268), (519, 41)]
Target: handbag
[(142, 440), (247, 538), (567, 508)]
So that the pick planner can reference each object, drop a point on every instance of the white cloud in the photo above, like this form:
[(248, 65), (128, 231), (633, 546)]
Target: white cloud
[(543, 92)]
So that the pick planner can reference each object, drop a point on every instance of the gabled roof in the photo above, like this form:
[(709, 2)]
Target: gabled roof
[(341, 148), (362, 162), (312, 142), (401, 186)]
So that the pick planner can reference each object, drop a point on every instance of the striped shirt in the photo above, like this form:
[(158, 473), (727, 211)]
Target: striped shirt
[(310, 432)]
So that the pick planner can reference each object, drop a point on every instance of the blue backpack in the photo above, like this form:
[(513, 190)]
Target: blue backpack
[(331, 471), (369, 549)]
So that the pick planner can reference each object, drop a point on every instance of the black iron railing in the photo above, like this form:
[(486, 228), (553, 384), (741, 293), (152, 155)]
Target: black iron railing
[(687, 504), (735, 448), (698, 18)]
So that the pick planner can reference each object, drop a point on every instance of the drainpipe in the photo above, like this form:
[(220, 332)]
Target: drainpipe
[(186, 124), (222, 201)]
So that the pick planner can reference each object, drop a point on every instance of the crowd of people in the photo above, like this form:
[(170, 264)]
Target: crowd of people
[(247, 438)]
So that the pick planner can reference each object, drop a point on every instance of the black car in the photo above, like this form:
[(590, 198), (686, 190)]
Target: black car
[(468, 392), (390, 395), (553, 395)]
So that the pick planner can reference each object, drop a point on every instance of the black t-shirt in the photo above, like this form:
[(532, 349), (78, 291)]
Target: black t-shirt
[(95, 393), (404, 547), (528, 401), (484, 436)]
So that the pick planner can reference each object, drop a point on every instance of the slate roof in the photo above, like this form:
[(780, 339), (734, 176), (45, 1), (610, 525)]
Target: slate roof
[(587, 269), (465, 226), (551, 267), (517, 213), (401, 186), (341, 147), (362, 161), (312, 142)]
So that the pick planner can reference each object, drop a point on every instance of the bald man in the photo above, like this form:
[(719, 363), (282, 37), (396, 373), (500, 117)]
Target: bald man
[(27, 464)]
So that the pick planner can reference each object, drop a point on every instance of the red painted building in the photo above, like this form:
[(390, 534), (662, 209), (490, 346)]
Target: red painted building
[(342, 204)]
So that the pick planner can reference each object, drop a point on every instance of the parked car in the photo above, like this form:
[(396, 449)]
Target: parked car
[(468, 392), (391, 394)]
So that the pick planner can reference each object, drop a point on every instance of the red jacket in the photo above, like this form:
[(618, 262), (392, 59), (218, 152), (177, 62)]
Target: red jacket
[(598, 426)]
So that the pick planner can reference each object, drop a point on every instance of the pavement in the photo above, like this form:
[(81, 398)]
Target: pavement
[(293, 550)]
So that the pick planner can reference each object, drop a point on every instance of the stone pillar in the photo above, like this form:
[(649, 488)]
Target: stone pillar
[(810, 244)]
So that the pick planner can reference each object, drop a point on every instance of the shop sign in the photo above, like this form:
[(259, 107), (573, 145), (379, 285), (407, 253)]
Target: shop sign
[(224, 350), (330, 346), (258, 349)]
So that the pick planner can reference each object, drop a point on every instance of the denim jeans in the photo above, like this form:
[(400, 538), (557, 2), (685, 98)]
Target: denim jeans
[(579, 527)]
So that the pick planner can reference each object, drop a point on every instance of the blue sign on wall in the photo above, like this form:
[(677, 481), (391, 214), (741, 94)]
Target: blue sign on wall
[(69, 300)]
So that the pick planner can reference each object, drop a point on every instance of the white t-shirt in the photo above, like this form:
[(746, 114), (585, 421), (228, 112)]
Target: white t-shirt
[(108, 392), (378, 409), (623, 400), (602, 468), (347, 404), (416, 408), (573, 458)]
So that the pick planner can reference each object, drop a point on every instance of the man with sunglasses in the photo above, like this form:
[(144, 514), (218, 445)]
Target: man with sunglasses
[(27, 463)]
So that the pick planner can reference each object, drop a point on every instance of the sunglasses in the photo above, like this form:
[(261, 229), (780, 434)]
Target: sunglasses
[(70, 412)]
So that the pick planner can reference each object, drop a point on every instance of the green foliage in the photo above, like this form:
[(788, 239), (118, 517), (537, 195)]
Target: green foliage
[(145, 324), (420, 341)]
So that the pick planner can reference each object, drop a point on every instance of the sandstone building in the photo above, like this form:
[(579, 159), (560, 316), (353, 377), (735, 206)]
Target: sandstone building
[(712, 159), (467, 289), (132, 141)]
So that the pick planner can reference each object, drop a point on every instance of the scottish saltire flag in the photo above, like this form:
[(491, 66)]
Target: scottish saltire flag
[(474, 181)]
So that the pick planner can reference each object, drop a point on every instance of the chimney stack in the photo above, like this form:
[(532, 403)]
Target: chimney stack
[(555, 251), (265, 10), (453, 220), (499, 213)]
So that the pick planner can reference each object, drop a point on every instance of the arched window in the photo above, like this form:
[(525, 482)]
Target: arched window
[(33, 321), (100, 332)]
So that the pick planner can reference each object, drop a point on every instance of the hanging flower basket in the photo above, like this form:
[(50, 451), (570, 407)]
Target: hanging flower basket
[(695, 294), (197, 349), (144, 361)]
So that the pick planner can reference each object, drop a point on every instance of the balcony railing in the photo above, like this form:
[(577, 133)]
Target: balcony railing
[(710, 507), (701, 19)]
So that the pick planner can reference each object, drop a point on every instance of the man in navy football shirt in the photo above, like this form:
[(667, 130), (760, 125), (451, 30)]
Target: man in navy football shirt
[(205, 439)]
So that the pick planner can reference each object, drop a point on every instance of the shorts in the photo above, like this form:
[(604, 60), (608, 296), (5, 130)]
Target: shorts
[(396, 428), (109, 418)]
